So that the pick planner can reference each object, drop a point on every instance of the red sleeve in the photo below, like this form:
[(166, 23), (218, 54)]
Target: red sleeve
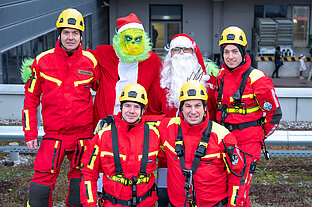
[(162, 127), (32, 100), (236, 164), (268, 101), (154, 98), (211, 102), (90, 171), (97, 52)]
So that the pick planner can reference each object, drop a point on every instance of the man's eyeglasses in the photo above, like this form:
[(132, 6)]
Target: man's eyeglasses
[(177, 50)]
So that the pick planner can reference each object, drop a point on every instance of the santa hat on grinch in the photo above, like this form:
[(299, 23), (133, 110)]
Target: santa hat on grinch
[(129, 22), (184, 40)]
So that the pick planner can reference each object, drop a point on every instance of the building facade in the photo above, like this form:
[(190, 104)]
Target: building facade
[(27, 28), (267, 24)]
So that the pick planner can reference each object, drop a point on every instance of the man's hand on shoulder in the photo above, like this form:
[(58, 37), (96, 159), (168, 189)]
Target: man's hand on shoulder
[(109, 119)]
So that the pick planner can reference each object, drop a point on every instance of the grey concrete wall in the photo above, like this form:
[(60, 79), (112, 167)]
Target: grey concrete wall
[(295, 102), (11, 101)]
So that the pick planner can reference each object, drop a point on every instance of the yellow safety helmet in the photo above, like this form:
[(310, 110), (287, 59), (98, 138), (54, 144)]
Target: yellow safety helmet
[(70, 18), (193, 90), (233, 35), (134, 92)]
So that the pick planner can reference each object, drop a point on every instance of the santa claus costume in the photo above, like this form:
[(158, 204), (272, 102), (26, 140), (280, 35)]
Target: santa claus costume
[(176, 71)]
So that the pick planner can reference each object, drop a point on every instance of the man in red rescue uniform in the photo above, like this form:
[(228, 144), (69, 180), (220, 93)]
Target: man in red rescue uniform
[(247, 102), (205, 168), (126, 152), (62, 77), (128, 60)]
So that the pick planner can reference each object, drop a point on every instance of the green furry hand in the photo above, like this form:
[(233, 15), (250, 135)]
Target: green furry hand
[(212, 68), (25, 69)]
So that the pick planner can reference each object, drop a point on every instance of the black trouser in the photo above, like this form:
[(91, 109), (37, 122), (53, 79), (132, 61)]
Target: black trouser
[(276, 71), (163, 199), (220, 204)]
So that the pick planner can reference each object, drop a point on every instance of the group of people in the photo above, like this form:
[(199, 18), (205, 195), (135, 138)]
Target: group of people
[(203, 134), (278, 61)]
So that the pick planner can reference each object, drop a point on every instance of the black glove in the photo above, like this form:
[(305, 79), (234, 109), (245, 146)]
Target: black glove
[(109, 119)]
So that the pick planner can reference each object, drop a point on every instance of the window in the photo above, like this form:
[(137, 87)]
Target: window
[(270, 10), (165, 22), (166, 12), (300, 17)]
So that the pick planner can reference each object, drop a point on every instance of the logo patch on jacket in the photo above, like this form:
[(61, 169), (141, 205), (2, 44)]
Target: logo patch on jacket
[(267, 106), (85, 72), (234, 159)]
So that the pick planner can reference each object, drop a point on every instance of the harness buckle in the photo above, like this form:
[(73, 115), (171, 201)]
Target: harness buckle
[(236, 110), (244, 111), (230, 127), (222, 107), (134, 201), (114, 200), (201, 149), (179, 149), (188, 174), (143, 177), (142, 174), (134, 180)]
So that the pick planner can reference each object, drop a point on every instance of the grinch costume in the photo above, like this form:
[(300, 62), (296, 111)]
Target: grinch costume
[(129, 60)]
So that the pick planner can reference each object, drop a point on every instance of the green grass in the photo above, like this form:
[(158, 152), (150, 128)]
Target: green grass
[(279, 182)]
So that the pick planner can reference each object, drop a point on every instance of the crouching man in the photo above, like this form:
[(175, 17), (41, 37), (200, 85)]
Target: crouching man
[(205, 168), (125, 151)]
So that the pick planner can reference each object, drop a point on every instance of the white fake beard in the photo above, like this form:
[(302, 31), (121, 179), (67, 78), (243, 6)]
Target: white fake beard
[(177, 70)]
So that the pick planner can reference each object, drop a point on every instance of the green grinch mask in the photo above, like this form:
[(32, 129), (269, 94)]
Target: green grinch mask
[(132, 45), (132, 41)]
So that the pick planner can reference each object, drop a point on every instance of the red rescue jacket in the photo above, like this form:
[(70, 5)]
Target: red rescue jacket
[(99, 157), (258, 100), (63, 82)]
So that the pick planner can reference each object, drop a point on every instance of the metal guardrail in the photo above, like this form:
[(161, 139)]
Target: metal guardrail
[(279, 138), (290, 138), (290, 153), (15, 133)]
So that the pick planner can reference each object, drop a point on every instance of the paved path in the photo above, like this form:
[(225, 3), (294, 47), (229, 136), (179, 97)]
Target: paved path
[(291, 83)]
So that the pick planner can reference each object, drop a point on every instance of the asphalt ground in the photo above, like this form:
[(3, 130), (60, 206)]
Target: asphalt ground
[(291, 83)]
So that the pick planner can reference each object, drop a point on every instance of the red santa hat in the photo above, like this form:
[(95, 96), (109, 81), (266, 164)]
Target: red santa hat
[(129, 22), (184, 40)]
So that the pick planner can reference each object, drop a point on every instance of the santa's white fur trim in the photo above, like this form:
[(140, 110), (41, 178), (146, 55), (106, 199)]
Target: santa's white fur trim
[(182, 41), (131, 26)]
